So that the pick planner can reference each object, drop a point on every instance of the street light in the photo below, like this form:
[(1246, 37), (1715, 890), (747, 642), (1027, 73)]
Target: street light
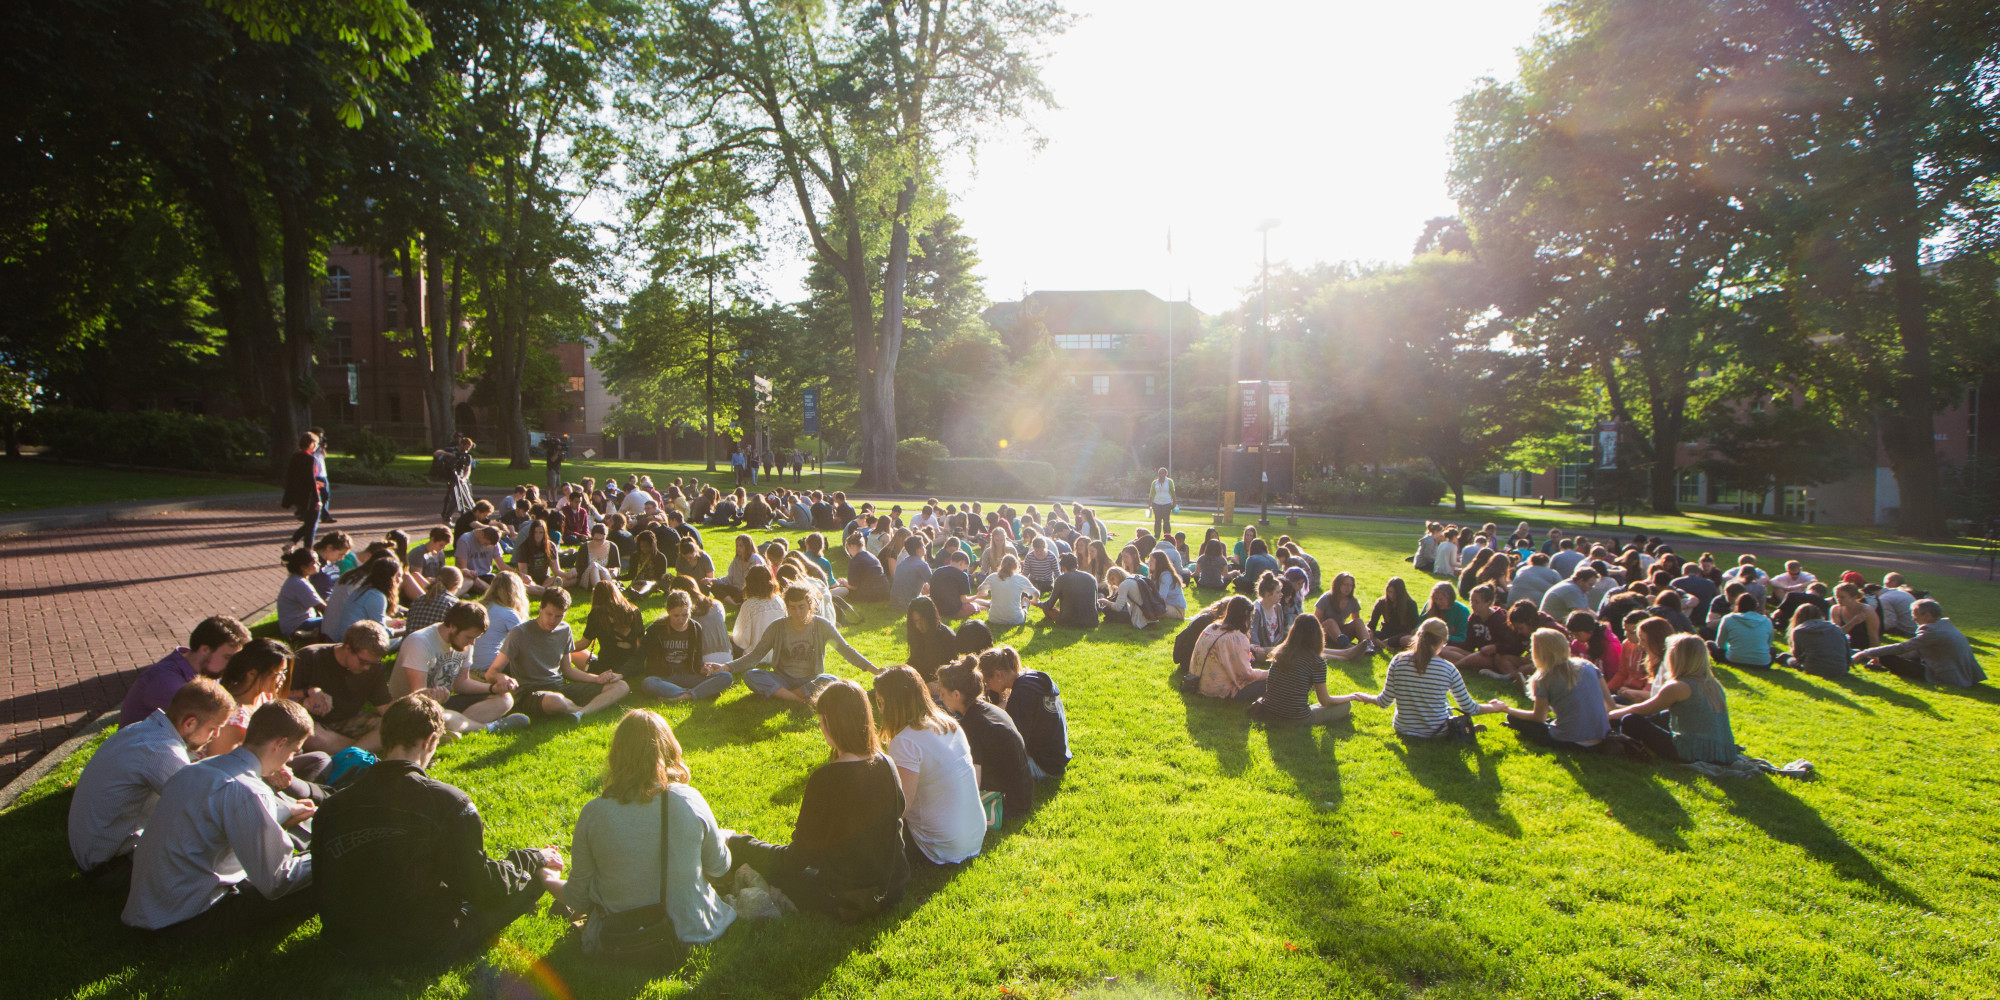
[(1264, 373)]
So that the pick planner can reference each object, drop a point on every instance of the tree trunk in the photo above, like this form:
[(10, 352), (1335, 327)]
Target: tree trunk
[(881, 434), (861, 314), (441, 356), (295, 269), (1911, 423)]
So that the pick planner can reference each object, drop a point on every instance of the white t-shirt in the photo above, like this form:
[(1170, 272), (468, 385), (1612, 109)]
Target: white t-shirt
[(1008, 594), (426, 650), (1788, 582), (944, 816), (753, 617)]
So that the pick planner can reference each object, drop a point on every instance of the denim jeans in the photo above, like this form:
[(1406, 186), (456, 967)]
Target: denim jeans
[(767, 682), (666, 688)]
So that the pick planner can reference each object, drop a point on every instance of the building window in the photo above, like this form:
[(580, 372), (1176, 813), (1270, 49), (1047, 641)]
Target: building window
[(576, 383), (1574, 475), (395, 408), (1089, 341), (1152, 385), (389, 284), (1100, 385), (1690, 488), (1794, 499), (340, 350), (339, 284)]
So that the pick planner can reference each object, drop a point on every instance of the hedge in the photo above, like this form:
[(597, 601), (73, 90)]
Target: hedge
[(992, 477), (161, 438)]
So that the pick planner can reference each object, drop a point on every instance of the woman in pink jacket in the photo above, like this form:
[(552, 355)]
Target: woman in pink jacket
[(1222, 656)]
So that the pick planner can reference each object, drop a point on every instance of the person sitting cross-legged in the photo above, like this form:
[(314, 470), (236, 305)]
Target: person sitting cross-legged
[(400, 858), (620, 842), (1939, 654), (943, 823), (1687, 718), (999, 755), (1564, 685), (846, 858), (437, 660), (1072, 599), (216, 860), (675, 669), (118, 788), (1295, 689), (1420, 684), (342, 684), (1743, 638), (541, 654), (797, 644)]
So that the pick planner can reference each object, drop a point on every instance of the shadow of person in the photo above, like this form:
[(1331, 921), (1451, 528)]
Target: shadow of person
[(1772, 808), (1861, 685), (1440, 766), (1222, 727), (1309, 755), (1634, 794), (1817, 692)]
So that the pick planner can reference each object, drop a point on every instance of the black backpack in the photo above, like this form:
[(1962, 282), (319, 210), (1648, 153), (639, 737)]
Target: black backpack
[(1150, 604)]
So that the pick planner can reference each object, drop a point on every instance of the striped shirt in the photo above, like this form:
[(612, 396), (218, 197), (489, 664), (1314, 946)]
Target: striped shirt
[(1420, 698), (1039, 568)]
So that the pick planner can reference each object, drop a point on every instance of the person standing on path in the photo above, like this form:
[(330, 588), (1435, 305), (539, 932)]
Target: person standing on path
[(1162, 500), (556, 448), (322, 486), (458, 499), (302, 492)]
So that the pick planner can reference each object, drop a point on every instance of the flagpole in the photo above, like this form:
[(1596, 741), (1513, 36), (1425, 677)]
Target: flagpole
[(1170, 351)]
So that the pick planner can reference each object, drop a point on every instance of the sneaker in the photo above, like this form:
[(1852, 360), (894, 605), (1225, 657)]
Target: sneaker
[(575, 718), (328, 519), (506, 723)]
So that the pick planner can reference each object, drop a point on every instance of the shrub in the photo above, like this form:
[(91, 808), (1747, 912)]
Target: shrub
[(993, 477), (161, 438), (1360, 488), (1091, 467), (1422, 489), (372, 450), (914, 457), (348, 472)]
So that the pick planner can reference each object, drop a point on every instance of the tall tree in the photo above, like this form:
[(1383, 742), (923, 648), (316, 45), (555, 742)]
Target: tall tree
[(851, 106)]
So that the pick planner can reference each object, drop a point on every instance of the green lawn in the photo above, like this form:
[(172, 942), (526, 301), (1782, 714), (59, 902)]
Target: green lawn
[(33, 484), (493, 472), (1191, 852)]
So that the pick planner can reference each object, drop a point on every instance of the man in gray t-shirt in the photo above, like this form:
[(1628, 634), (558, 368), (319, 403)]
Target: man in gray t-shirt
[(541, 654), (798, 643), (1819, 647)]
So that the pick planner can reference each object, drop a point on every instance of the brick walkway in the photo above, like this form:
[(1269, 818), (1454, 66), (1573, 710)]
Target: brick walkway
[(86, 607)]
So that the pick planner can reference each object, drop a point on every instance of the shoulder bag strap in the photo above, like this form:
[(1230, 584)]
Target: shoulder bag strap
[(664, 808)]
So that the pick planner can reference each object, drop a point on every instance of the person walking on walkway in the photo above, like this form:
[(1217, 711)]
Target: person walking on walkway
[(321, 484), (458, 499), (302, 493)]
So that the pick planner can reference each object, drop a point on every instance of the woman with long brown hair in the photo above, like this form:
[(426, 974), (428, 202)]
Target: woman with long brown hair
[(1687, 718), (619, 841), (943, 822), (846, 858)]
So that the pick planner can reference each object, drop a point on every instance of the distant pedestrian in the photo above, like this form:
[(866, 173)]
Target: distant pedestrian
[(458, 499), (556, 448), (324, 488), (1162, 499), (302, 492), (798, 467)]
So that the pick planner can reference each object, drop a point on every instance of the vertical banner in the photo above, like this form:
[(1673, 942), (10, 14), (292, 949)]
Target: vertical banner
[(811, 407), (1251, 406), (354, 385), (1607, 445), (1279, 397)]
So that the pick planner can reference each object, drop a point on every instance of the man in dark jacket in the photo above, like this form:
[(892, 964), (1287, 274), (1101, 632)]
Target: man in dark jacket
[(302, 492), (1073, 600), (400, 857)]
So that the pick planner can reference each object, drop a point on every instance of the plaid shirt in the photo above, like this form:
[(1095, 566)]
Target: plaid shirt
[(428, 610)]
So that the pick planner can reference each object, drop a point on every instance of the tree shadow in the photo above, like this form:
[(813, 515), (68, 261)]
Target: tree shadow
[(1634, 794), (1441, 767), (1773, 809)]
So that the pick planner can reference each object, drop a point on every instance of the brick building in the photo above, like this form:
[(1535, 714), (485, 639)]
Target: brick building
[(1113, 346), (369, 375)]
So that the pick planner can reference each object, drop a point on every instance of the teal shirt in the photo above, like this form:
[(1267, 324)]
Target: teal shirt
[(1745, 638), (1701, 731), (1455, 617)]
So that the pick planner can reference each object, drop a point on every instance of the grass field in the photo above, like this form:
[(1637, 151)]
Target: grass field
[(1190, 852), (33, 484)]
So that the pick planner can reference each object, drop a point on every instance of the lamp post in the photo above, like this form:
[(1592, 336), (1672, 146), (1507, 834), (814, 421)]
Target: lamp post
[(1264, 373)]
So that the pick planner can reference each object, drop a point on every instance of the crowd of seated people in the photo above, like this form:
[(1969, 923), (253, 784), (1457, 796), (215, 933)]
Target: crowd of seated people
[(196, 808)]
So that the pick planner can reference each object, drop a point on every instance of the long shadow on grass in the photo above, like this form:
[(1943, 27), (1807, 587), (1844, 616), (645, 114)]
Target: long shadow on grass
[(1221, 727), (1440, 765), (1861, 685), (1780, 814), (1308, 754), (1817, 692), (1633, 794)]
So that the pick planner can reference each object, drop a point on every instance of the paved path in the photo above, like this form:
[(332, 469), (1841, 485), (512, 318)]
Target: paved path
[(85, 607)]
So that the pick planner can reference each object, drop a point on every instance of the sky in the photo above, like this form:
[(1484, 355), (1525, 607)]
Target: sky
[(1206, 119)]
